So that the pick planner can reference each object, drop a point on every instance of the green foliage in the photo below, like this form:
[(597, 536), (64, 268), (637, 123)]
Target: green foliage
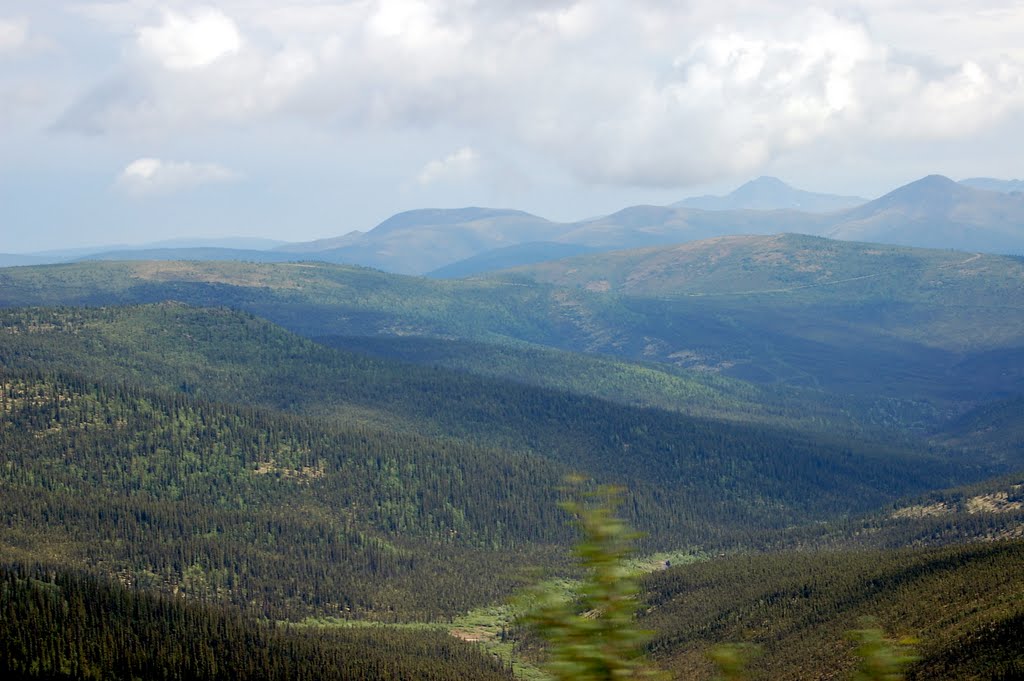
[(913, 327), (692, 481), (732, 660), (965, 603), (261, 470), (64, 625), (649, 384), (986, 510), (879, 658), (276, 513), (594, 637)]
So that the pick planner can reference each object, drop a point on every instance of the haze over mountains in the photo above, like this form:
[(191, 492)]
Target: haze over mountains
[(336, 337), (979, 214), (293, 440), (771, 193), (994, 185), (935, 212)]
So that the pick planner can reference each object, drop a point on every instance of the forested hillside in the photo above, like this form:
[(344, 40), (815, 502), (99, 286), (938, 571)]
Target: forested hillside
[(300, 441), (927, 331), (964, 606), (725, 474), (270, 512), (653, 384), (298, 382), (60, 625)]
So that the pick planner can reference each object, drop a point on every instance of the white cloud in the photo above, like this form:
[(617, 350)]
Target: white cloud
[(740, 96), (190, 41), (13, 34), (151, 176), (459, 165), (638, 93)]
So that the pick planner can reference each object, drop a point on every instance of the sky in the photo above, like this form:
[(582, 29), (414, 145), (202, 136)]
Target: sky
[(135, 121)]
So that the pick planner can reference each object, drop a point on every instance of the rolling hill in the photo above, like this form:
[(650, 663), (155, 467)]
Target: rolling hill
[(792, 267), (858, 319), (961, 604), (979, 214), (308, 439), (752, 306), (230, 358), (507, 257), (420, 241)]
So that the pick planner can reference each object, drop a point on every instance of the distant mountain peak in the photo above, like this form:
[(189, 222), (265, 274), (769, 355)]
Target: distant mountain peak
[(937, 212), (935, 180), (770, 193), (932, 188), (766, 188), (767, 181), (445, 216)]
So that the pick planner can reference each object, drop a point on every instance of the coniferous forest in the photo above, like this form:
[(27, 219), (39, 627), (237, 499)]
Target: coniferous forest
[(68, 625), (233, 471)]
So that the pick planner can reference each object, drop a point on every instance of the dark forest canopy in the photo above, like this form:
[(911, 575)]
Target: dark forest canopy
[(203, 457), (67, 625)]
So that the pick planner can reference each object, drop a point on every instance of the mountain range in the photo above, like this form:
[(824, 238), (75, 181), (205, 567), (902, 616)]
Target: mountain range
[(979, 214), (771, 193), (936, 212), (993, 185), (813, 430)]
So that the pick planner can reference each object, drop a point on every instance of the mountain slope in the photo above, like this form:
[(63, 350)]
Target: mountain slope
[(509, 256), (642, 226), (791, 267), (771, 193), (194, 253), (714, 478), (917, 325), (641, 384), (936, 212), (419, 241), (963, 603), (993, 185), (59, 624), (235, 504), (937, 322)]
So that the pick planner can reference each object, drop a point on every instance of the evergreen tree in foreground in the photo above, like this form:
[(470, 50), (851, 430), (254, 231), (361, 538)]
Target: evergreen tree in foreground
[(594, 637)]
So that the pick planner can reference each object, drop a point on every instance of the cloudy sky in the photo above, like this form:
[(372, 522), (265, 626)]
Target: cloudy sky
[(131, 121)]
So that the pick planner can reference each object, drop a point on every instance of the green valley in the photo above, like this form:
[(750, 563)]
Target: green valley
[(307, 442)]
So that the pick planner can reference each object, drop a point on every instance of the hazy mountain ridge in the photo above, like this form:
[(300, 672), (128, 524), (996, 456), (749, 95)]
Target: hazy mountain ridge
[(640, 226), (782, 263), (994, 185), (419, 241), (204, 253), (771, 193), (933, 212), (882, 322), (19, 260), (510, 256)]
